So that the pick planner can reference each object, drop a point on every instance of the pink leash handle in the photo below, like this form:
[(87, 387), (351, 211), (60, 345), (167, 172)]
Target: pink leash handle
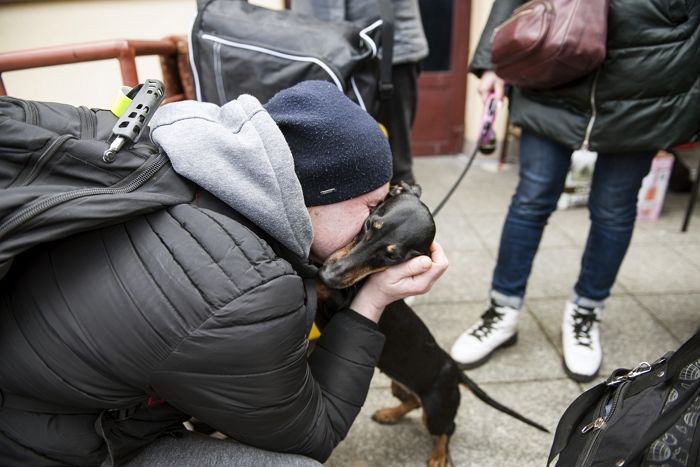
[(486, 139)]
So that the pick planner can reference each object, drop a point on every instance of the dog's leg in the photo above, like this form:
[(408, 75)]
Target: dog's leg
[(392, 415), (438, 458)]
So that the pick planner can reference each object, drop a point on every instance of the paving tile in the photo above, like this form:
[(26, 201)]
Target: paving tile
[(657, 269), (371, 444), (455, 234), (691, 252), (487, 438), (488, 229), (480, 191), (467, 278), (554, 272), (679, 313), (573, 223), (532, 358), (629, 334), (667, 228)]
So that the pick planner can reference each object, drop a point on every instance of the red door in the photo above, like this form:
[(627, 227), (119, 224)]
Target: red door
[(439, 123)]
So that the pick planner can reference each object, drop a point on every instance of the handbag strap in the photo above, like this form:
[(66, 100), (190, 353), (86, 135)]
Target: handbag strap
[(386, 86)]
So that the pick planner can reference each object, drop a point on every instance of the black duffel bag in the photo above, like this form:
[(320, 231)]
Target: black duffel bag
[(239, 48), (647, 416)]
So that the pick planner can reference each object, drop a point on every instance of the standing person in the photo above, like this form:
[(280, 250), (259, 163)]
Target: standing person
[(410, 48), (111, 338), (644, 97)]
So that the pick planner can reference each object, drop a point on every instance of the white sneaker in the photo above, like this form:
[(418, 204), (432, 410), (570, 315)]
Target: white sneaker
[(497, 328), (581, 342)]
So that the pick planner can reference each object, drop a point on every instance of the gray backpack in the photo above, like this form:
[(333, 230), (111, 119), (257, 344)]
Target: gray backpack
[(66, 169)]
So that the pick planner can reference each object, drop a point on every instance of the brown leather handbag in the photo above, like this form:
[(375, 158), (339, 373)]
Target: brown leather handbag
[(547, 43)]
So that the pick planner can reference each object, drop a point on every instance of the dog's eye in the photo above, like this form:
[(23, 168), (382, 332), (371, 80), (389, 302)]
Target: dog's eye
[(392, 252)]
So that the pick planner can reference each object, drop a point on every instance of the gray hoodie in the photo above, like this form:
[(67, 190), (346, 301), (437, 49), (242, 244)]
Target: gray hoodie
[(237, 153)]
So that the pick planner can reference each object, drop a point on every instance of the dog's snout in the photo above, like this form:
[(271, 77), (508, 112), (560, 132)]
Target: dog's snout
[(330, 277)]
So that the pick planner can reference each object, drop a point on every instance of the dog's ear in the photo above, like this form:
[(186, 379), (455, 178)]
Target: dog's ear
[(414, 189), (405, 188), (396, 189)]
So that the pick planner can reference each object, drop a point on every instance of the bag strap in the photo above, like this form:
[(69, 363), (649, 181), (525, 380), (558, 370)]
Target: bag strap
[(687, 353), (386, 86), (572, 417), (662, 424)]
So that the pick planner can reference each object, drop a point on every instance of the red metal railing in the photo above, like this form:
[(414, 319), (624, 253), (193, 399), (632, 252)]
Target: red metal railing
[(125, 51)]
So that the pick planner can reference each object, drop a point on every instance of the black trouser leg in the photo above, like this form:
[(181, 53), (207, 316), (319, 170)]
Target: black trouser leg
[(397, 114)]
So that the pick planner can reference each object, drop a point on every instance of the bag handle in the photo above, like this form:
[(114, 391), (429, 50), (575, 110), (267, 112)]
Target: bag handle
[(386, 86)]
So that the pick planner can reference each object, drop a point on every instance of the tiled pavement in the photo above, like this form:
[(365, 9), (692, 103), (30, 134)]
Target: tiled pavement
[(655, 305)]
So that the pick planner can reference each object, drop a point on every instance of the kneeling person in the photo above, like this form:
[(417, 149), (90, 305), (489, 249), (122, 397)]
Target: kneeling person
[(114, 337)]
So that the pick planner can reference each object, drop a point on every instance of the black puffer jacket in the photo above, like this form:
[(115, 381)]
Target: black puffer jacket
[(191, 305), (644, 97)]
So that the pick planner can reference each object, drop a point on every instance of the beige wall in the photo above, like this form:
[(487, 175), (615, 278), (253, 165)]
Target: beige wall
[(480, 13), (27, 25)]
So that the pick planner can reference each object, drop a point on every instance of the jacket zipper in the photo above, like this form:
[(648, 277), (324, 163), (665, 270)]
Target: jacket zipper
[(31, 211), (594, 114), (45, 157), (32, 113), (87, 131), (598, 426)]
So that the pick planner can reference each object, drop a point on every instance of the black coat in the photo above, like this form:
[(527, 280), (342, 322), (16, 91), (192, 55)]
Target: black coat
[(646, 94), (186, 304)]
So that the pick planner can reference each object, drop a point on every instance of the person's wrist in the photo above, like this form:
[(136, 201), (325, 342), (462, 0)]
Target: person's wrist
[(364, 305)]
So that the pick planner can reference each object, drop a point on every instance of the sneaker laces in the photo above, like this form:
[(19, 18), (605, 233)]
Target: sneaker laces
[(583, 323), (487, 325)]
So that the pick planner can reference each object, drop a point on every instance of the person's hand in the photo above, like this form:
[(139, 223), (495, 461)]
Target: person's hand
[(490, 82), (413, 277)]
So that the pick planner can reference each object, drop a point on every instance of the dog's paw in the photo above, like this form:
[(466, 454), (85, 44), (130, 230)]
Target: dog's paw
[(388, 416), (437, 461), (438, 457)]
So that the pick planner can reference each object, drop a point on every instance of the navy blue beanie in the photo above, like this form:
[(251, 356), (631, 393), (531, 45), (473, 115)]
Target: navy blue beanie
[(339, 151)]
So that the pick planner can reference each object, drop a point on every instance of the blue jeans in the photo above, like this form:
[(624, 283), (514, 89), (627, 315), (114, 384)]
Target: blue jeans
[(613, 209)]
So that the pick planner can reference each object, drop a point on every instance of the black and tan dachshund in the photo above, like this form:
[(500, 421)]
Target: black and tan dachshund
[(422, 373)]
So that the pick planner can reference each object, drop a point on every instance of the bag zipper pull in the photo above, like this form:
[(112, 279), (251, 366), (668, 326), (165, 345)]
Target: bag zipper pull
[(595, 425)]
